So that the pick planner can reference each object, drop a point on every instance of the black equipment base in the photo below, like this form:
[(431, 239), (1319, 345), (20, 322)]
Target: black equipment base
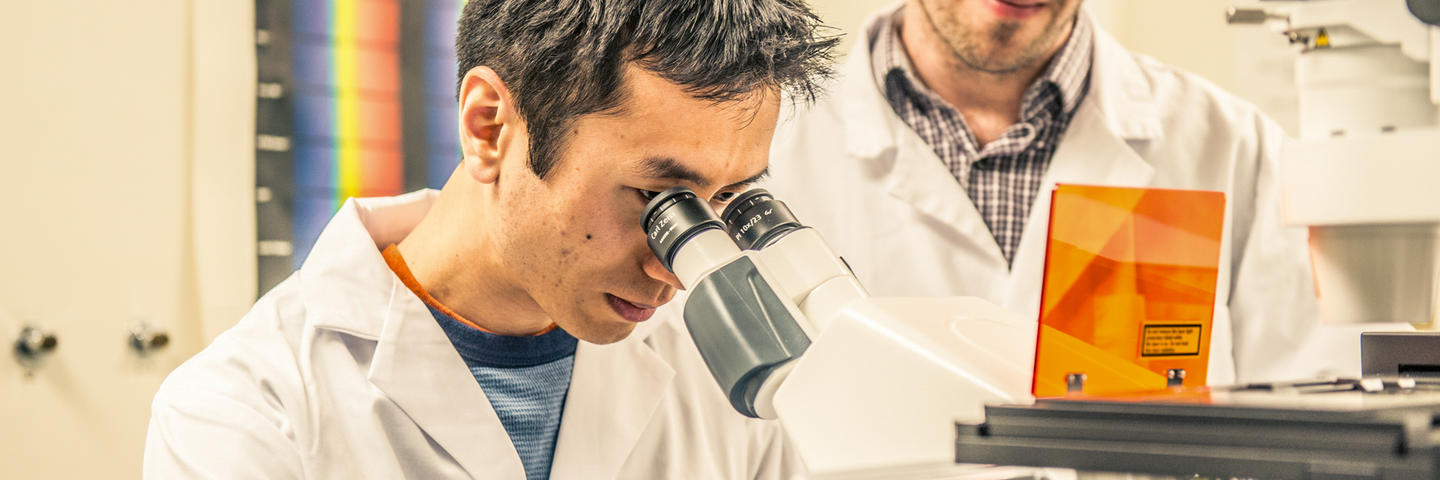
[(1336, 429)]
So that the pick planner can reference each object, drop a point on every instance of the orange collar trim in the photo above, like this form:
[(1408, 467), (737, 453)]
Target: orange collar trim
[(402, 270)]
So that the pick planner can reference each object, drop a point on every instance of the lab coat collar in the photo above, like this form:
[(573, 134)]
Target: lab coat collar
[(348, 287), (1116, 117), (875, 133), (418, 369), (615, 389), (1121, 89), (344, 281), (871, 126)]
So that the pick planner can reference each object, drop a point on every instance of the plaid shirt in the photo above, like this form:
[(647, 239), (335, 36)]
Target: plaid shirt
[(1003, 177)]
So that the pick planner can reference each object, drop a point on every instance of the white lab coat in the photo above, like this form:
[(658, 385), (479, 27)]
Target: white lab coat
[(852, 168), (341, 372)]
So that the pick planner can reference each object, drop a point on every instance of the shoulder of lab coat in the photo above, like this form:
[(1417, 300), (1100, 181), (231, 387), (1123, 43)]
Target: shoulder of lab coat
[(830, 159), (231, 397), (248, 405), (240, 408)]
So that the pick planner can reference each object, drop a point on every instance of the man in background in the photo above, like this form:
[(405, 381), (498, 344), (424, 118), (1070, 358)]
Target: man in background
[(930, 164)]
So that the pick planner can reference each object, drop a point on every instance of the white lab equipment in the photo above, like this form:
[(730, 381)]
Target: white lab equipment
[(1361, 178), (1362, 173), (881, 380), (882, 388)]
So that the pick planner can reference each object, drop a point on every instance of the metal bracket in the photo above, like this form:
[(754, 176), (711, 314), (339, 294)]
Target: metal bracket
[(1074, 383), (1175, 378)]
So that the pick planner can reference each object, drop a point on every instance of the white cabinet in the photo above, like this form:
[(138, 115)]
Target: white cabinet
[(119, 204)]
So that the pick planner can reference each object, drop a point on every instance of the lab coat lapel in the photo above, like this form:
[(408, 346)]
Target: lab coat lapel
[(875, 134), (921, 180), (1098, 148), (349, 288), (615, 392), (417, 367)]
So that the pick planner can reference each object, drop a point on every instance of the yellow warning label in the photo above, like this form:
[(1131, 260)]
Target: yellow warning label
[(1170, 340)]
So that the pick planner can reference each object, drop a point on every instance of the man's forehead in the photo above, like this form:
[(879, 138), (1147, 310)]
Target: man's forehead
[(646, 92)]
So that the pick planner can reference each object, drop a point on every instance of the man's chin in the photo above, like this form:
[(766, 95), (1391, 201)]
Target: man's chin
[(604, 334), (1005, 58)]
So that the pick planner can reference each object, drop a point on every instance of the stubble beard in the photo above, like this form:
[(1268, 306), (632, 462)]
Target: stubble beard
[(985, 52)]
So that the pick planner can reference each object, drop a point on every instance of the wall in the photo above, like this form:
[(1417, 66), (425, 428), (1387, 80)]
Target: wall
[(223, 176), (1252, 62), (119, 208)]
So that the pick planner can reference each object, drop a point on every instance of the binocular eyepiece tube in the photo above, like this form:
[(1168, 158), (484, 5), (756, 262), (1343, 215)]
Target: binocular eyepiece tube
[(677, 219), (744, 326), (747, 311), (756, 220)]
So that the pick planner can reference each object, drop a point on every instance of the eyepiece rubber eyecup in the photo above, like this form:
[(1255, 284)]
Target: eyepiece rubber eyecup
[(756, 219), (672, 218)]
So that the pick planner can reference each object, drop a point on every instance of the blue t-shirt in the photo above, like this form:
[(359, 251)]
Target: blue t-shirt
[(525, 378)]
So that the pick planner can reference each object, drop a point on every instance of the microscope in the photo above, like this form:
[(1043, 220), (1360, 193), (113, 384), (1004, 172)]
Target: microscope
[(859, 383), (880, 385)]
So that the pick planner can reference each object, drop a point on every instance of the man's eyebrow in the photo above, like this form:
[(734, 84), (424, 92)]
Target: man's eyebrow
[(669, 168), (763, 173)]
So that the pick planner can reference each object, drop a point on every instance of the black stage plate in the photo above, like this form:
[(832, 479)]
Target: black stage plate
[(1335, 429)]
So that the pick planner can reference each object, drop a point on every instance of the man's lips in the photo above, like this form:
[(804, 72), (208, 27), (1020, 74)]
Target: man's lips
[(1017, 9), (630, 311)]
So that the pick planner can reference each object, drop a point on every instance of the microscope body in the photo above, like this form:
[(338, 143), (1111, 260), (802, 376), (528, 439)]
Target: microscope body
[(883, 384), (859, 383)]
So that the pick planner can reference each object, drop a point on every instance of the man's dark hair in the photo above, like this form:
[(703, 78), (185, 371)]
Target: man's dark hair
[(562, 59)]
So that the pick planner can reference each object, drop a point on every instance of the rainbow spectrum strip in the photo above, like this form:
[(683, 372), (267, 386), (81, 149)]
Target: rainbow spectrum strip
[(345, 58)]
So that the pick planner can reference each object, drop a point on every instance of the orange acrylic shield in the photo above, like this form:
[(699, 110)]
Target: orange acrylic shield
[(1129, 288)]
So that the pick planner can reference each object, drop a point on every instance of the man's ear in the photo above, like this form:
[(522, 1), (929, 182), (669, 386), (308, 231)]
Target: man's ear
[(488, 124)]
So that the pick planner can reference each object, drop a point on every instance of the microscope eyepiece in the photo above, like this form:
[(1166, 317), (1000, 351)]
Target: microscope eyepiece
[(756, 219), (672, 218)]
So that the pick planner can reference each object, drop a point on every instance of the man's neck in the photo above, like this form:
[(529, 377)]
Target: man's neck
[(467, 280), (989, 102)]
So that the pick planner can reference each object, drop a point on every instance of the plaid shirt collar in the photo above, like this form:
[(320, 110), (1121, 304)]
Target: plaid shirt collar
[(1002, 177), (1067, 72)]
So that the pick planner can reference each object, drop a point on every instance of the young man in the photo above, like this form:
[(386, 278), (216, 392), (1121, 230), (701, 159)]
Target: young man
[(930, 166), (486, 330)]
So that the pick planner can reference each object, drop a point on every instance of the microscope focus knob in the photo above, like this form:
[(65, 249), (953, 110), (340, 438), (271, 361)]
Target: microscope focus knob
[(35, 342)]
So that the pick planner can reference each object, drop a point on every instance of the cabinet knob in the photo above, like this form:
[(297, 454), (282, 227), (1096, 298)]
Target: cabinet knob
[(33, 345), (146, 339)]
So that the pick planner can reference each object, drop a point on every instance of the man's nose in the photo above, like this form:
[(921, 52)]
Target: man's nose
[(655, 270)]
